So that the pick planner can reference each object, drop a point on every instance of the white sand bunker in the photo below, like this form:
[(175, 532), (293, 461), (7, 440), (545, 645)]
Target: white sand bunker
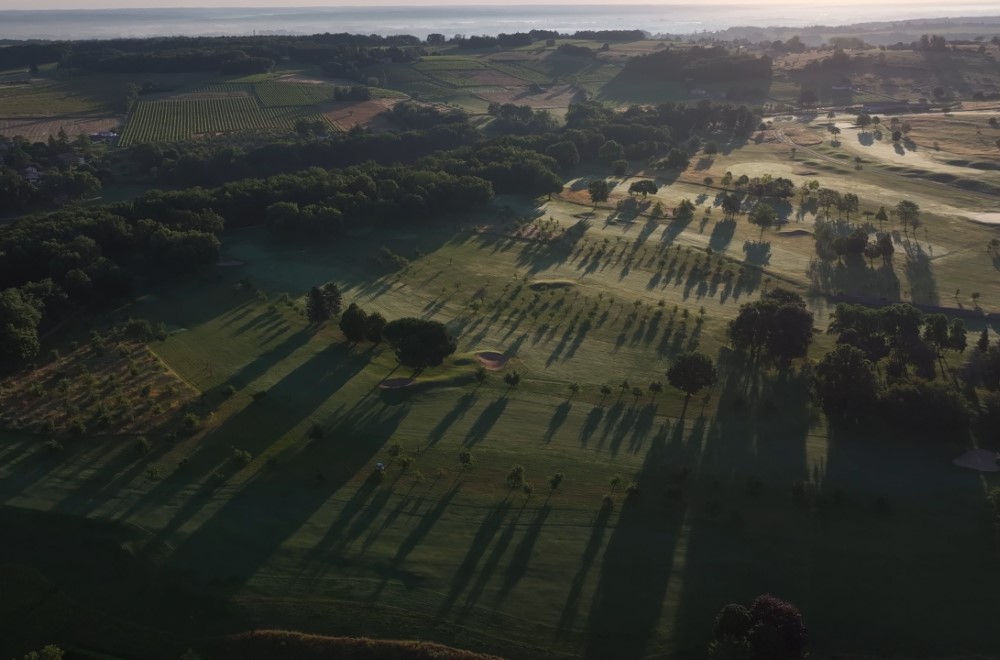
[(492, 360), (544, 285), (986, 218), (979, 459)]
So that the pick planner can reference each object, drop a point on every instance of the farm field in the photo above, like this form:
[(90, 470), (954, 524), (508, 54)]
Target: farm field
[(435, 550)]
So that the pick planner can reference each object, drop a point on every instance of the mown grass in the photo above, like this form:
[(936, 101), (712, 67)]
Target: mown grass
[(740, 492)]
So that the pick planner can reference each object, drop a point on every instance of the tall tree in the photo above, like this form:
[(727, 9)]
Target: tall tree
[(374, 325), (692, 372), (334, 299), (764, 216), (353, 323), (317, 310), (844, 384), (599, 191)]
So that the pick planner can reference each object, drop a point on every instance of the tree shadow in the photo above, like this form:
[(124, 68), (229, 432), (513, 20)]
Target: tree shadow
[(638, 563), (486, 420), (521, 558), (466, 571), (462, 406), (558, 419)]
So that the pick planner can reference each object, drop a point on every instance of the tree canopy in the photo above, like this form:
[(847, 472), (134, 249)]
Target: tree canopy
[(419, 343)]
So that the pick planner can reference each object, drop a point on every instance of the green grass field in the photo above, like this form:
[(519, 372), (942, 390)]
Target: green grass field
[(303, 537), (886, 547)]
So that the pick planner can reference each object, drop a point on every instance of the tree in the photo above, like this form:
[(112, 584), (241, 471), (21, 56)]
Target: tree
[(599, 191), (655, 388), (21, 316), (691, 372), (844, 384), (957, 336), (555, 481), (353, 323), (573, 389), (909, 213), (881, 215), (685, 209), (611, 151), (778, 325), (644, 186), (50, 652), (334, 299), (512, 378), (515, 477), (565, 153), (731, 205), (764, 216), (983, 344), (605, 392), (710, 148), (777, 632), (419, 343), (848, 203), (374, 326), (465, 459), (619, 167), (316, 308)]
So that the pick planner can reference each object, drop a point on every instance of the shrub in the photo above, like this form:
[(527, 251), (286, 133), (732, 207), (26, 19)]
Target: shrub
[(142, 445)]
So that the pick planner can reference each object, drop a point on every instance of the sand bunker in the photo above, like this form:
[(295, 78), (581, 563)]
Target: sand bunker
[(986, 218), (795, 232), (544, 285), (978, 459), (396, 383), (492, 360)]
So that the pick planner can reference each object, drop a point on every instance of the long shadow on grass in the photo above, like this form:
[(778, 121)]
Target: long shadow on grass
[(486, 420), (754, 451), (638, 564), (238, 540), (480, 542), (261, 423)]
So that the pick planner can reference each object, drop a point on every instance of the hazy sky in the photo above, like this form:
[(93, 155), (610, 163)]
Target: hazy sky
[(113, 4), (939, 8)]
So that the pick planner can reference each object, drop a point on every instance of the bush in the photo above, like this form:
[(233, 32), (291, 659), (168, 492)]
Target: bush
[(142, 445)]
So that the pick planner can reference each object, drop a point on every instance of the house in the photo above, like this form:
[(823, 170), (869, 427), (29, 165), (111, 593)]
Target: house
[(104, 136), (32, 175)]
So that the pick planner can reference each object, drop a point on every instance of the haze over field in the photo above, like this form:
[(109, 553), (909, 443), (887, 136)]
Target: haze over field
[(83, 21)]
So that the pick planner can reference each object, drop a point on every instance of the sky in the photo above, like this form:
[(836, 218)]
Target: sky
[(115, 4)]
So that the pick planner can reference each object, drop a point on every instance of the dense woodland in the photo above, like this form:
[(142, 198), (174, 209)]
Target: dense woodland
[(83, 259)]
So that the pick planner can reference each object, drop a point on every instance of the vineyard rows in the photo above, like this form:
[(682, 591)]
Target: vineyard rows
[(176, 120)]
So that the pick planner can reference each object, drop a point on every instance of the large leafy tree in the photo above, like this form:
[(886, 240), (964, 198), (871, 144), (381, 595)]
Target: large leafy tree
[(777, 326), (353, 323), (419, 343), (692, 372), (19, 318), (764, 216), (599, 191), (771, 629), (844, 384)]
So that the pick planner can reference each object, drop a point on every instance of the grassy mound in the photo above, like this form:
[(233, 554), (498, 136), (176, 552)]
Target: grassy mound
[(267, 644)]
